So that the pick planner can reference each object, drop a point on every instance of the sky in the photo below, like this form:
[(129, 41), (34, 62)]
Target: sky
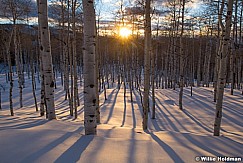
[(107, 8), (106, 11)]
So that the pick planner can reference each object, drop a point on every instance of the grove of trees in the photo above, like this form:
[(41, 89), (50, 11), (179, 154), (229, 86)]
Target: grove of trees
[(169, 47)]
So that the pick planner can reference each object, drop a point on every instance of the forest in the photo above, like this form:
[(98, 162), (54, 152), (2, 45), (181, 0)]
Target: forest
[(121, 81)]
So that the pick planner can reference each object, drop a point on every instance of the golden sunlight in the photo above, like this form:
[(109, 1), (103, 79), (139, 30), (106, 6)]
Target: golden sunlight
[(125, 32)]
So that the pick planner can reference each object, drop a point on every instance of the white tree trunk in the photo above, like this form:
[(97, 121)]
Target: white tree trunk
[(42, 101), (225, 38), (17, 62), (33, 79), (146, 64), (75, 76), (46, 58), (152, 82), (89, 68), (7, 44), (199, 64), (181, 84), (97, 76)]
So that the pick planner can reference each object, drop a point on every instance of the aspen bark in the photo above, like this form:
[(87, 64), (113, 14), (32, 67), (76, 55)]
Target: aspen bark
[(208, 61), (97, 76), (181, 84), (232, 58), (75, 76), (199, 63), (225, 38), (146, 64), (69, 61), (46, 59), (152, 82), (33, 80), (218, 50), (42, 103), (89, 68), (233, 51), (10, 74), (17, 62)]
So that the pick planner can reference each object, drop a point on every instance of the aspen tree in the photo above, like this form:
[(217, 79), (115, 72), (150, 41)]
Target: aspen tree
[(33, 79), (208, 55), (152, 82), (97, 73), (89, 68), (181, 84), (46, 59), (147, 52), (233, 50), (223, 53), (76, 98), (199, 62), (218, 47), (7, 45), (240, 57), (18, 66), (154, 66), (42, 101), (69, 61)]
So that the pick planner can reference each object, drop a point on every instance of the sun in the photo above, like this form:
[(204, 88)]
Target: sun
[(124, 32)]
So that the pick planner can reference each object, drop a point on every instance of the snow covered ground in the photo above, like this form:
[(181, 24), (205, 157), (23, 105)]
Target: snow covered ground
[(174, 136)]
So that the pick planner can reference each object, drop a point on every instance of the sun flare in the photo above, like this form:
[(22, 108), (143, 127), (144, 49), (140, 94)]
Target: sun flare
[(125, 32)]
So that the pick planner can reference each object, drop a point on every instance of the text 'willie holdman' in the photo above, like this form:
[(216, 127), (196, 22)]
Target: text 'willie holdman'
[(219, 158)]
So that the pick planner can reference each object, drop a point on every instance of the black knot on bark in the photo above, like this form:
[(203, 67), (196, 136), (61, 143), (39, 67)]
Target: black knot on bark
[(91, 85), (229, 12), (52, 84)]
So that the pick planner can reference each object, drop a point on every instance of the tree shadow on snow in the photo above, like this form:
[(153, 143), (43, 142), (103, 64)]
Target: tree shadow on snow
[(39, 153), (138, 101), (74, 153), (165, 120), (173, 155), (113, 93), (124, 113), (203, 144), (197, 121), (133, 116), (26, 125)]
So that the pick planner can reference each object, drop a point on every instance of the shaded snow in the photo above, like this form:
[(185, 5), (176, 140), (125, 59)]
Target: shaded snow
[(174, 136)]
